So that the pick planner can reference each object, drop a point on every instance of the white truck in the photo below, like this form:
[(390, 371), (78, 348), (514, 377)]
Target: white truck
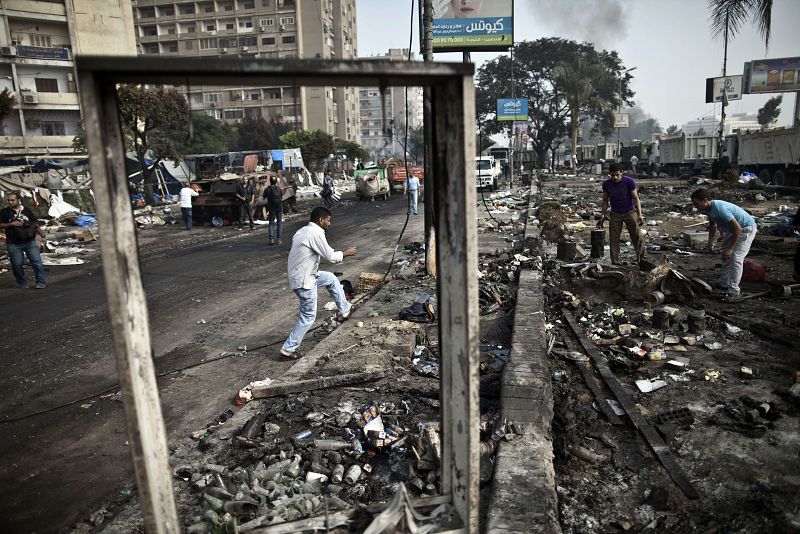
[(773, 155), (487, 172), (678, 153)]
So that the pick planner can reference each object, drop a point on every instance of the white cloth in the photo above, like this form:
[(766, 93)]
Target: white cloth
[(308, 246), (186, 197)]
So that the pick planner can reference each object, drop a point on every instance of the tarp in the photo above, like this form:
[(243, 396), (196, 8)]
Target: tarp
[(135, 175)]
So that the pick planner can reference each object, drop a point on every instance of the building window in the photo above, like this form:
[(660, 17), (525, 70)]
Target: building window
[(171, 47), (187, 9), (248, 41), (147, 12), (267, 22), (267, 40), (39, 40), (249, 5), (46, 85), (288, 39), (266, 3), (53, 128), (191, 28), (246, 23), (227, 7), (210, 42), (168, 10), (211, 27), (208, 8), (254, 96), (287, 20), (288, 3), (149, 31), (274, 94), (228, 42), (213, 97), (233, 113), (229, 26), (188, 45)]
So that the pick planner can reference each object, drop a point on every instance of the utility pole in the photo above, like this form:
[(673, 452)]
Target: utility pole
[(721, 140), (426, 7)]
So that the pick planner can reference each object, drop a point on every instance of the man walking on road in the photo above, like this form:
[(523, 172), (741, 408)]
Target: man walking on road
[(186, 195), (244, 197), (621, 192), (274, 197), (21, 228), (308, 246), (738, 230), (412, 190)]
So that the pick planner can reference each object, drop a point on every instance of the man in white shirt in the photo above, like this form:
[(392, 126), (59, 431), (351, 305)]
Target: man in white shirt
[(186, 195), (308, 246), (412, 189)]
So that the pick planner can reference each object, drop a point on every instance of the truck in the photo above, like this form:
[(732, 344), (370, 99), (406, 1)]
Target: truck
[(487, 172), (678, 153), (772, 155), (396, 172)]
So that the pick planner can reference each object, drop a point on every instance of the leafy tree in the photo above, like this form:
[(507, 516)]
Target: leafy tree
[(673, 129), (352, 150), (536, 79), (583, 81), (728, 16), (259, 134), (315, 145), (701, 131), (7, 103), (208, 135), (769, 113), (146, 115)]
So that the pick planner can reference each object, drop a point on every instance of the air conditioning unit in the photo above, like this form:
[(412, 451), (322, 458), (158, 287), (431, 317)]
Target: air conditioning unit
[(8, 51), (30, 98), (212, 105), (236, 96), (223, 50), (213, 32), (244, 49), (283, 27), (263, 27)]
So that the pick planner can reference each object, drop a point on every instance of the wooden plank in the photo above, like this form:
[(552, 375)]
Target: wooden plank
[(457, 261), (322, 382), (648, 432), (127, 306)]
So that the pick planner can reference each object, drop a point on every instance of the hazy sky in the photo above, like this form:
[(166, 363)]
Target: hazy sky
[(668, 41)]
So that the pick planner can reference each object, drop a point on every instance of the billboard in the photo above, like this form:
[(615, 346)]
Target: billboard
[(621, 120), (473, 25), (512, 109), (772, 75), (730, 85)]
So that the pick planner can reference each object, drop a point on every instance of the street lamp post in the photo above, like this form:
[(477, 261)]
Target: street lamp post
[(619, 111)]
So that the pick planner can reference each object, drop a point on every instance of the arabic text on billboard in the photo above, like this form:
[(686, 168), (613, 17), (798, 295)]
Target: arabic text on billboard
[(773, 75), (473, 25), (512, 109), (730, 85)]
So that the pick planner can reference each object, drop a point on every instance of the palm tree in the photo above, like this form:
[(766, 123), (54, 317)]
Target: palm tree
[(578, 80)]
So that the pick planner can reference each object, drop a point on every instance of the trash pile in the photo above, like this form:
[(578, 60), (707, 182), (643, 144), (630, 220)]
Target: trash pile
[(149, 216)]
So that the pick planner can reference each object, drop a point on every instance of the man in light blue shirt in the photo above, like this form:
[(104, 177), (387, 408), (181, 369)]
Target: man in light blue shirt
[(309, 245), (738, 230), (412, 189)]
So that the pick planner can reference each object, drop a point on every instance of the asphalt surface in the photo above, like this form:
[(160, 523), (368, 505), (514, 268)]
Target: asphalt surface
[(204, 300)]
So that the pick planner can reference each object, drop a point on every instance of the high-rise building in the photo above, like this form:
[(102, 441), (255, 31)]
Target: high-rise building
[(38, 40), (709, 124), (259, 29), (383, 113)]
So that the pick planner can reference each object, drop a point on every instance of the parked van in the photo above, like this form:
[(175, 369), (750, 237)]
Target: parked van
[(487, 172)]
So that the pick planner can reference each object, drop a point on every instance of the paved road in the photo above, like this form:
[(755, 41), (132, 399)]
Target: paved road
[(56, 344)]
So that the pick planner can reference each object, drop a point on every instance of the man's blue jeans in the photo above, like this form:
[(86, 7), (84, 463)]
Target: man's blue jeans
[(413, 197), (17, 253), (308, 307), (276, 215), (187, 217)]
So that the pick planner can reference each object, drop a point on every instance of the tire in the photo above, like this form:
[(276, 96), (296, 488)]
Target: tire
[(779, 178), (764, 175)]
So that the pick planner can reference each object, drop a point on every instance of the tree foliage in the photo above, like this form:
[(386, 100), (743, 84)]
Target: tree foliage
[(536, 78), (260, 134), (315, 145), (673, 129), (769, 113), (7, 103), (728, 16), (203, 135), (147, 114), (352, 150)]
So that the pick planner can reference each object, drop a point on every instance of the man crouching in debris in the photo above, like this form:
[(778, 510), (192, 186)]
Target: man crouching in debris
[(738, 229), (308, 246), (621, 192)]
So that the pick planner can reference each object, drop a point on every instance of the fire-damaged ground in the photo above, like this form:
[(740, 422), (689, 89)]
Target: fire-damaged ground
[(711, 386)]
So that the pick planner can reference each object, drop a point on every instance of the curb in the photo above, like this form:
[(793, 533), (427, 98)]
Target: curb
[(524, 497)]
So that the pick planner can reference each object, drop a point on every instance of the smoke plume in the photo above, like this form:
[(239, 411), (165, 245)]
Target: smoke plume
[(601, 22)]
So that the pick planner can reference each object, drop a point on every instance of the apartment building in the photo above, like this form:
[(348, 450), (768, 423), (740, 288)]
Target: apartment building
[(259, 29), (38, 41), (383, 115)]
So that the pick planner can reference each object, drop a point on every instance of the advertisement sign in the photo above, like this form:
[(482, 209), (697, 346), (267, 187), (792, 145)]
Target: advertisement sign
[(473, 25), (621, 120), (772, 75), (730, 85), (512, 109), (41, 52)]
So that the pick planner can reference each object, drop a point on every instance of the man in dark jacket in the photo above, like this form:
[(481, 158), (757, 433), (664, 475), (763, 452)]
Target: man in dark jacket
[(274, 197), (244, 197), (21, 228)]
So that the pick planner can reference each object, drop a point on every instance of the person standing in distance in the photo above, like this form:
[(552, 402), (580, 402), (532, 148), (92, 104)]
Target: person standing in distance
[(274, 196), (21, 228), (244, 197), (738, 230), (621, 193), (412, 190), (309, 245), (186, 195)]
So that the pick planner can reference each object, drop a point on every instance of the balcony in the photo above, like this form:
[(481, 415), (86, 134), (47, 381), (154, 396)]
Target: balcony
[(59, 100), (36, 141), (35, 8)]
